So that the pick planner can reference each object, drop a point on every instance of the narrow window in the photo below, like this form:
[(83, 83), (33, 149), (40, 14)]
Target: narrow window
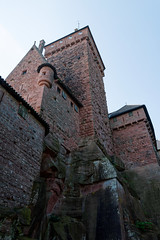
[(58, 90), (71, 104), (76, 108), (130, 114), (64, 95)]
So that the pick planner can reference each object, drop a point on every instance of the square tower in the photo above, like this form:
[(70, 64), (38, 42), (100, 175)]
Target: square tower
[(80, 67)]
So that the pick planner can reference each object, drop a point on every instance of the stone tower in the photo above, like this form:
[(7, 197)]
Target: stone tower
[(79, 65)]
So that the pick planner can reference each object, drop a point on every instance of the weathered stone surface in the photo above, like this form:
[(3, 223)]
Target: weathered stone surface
[(71, 206), (21, 148), (117, 163), (94, 171), (144, 207), (65, 228), (52, 143), (102, 207), (89, 165), (14, 222)]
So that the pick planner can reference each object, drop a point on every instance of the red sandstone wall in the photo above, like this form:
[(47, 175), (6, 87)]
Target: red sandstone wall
[(72, 67), (99, 106), (125, 119), (21, 146), (58, 112), (61, 115), (26, 83), (132, 141), (79, 65)]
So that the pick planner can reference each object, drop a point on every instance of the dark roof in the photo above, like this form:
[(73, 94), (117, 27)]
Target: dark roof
[(19, 98), (68, 90), (129, 108), (124, 109)]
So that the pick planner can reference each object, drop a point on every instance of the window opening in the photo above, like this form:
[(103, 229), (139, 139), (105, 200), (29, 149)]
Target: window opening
[(130, 114), (22, 111), (24, 72), (64, 95), (58, 90), (114, 119), (76, 108)]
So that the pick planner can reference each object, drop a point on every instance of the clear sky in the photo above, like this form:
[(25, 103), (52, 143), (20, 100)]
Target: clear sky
[(127, 34)]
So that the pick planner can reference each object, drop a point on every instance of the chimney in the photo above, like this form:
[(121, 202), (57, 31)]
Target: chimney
[(41, 45)]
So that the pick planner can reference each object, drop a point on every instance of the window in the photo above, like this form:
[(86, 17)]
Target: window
[(44, 73), (130, 114), (114, 119), (64, 95), (70, 37), (71, 104), (58, 90), (22, 111), (76, 108), (24, 72)]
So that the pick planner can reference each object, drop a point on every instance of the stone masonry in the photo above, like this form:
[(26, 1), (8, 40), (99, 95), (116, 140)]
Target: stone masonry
[(133, 136), (70, 171), (21, 146), (80, 67)]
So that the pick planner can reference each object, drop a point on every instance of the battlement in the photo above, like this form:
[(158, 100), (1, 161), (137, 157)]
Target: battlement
[(73, 39)]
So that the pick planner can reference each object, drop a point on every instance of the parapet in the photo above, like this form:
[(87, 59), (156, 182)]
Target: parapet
[(73, 39)]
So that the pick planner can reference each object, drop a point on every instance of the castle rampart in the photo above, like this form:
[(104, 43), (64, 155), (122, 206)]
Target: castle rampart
[(22, 133)]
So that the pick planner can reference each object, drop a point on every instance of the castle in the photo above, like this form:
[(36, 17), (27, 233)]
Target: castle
[(66, 161)]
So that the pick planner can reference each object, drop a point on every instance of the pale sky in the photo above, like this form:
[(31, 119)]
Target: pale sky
[(127, 34)]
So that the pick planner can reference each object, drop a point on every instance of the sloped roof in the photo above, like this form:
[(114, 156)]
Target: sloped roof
[(158, 144), (19, 98), (125, 109)]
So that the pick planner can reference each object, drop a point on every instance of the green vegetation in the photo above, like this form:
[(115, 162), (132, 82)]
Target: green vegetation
[(144, 225)]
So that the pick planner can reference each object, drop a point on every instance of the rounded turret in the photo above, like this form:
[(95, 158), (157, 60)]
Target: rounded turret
[(46, 75)]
